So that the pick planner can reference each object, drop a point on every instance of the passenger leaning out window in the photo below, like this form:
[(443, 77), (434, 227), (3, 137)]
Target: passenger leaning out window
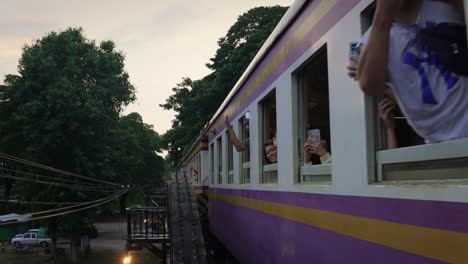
[(311, 148), (271, 150), (419, 48)]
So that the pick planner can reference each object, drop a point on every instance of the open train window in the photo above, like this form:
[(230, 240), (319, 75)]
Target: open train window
[(244, 129), (230, 156), (314, 119), (394, 132), (199, 169), (219, 143), (268, 140), (195, 170), (401, 153), (212, 167)]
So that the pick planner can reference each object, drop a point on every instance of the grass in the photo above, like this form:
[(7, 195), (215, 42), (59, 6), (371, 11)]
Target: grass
[(30, 257)]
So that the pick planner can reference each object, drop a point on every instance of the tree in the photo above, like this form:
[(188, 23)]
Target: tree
[(191, 114), (135, 155), (63, 109), (195, 102)]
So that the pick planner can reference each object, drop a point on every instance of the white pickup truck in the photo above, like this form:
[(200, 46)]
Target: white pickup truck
[(30, 239)]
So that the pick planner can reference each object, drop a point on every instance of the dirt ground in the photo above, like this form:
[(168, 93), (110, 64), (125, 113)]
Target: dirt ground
[(108, 248)]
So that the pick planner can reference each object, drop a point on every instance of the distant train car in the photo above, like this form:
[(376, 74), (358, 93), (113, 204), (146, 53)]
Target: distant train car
[(359, 202), (195, 167)]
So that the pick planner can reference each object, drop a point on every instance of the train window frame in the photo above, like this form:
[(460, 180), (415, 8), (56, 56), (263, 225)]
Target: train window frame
[(418, 164), (199, 180), (212, 167), (312, 173), (219, 159), (245, 167), (230, 159), (193, 167), (264, 120), (419, 156)]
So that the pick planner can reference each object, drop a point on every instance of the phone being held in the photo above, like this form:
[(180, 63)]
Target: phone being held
[(314, 134), (353, 52)]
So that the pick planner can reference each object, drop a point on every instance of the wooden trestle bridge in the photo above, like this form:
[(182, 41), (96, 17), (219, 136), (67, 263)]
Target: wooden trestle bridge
[(170, 225)]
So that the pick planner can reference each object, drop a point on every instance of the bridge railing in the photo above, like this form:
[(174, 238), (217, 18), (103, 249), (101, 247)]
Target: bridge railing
[(148, 224)]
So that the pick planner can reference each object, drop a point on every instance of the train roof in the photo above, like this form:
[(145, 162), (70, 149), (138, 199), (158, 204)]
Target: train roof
[(276, 34)]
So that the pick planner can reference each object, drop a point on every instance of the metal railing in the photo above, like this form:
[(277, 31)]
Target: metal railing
[(148, 224)]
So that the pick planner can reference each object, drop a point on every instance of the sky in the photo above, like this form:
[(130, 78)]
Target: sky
[(163, 40)]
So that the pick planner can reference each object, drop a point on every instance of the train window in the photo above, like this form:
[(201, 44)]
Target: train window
[(194, 170), (212, 163), (401, 152), (269, 147), (199, 169), (219, 143), (244, 125), (367, 15), (314, 120), (399, 134), (230, 156)]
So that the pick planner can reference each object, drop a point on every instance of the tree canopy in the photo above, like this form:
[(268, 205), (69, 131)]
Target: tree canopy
[(64, 109), (195, 101)]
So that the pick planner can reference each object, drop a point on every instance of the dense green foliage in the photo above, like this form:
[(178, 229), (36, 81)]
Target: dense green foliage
[(64, 110), (195, 102)]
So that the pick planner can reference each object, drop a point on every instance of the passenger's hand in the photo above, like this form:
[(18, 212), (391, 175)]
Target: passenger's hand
[(307, 151), (319, 149), (226, 121), (272, 153), (352, 69), (386, 112)]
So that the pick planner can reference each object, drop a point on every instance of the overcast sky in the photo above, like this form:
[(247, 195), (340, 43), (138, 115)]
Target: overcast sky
[(164, 40)]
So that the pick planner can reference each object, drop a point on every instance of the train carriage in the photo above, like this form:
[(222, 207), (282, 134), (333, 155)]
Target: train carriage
[(364, 203)]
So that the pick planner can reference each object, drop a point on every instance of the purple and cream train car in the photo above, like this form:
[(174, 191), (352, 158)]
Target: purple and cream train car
[(195, 167), (366, 203)]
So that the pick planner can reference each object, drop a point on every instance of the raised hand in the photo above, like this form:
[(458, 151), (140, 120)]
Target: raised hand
[(352, 69), (272, 153), (386, 112), (312, 147)]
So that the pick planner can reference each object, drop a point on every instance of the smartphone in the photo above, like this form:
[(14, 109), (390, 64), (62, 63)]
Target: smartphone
[(315, 135), (353, 52)]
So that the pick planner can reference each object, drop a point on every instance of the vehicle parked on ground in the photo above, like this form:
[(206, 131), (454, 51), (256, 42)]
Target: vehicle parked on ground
[(30, 239)]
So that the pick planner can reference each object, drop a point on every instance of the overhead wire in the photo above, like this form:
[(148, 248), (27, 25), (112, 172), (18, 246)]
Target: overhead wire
[(60, 182), (51, 178), (80, 209), (111, 198), (69, 186), (78, 205), (36, 202), (12, 158)]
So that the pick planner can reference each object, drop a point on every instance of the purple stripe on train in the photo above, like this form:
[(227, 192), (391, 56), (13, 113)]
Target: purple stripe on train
[(256, 237), (339, 10), (433, 214)]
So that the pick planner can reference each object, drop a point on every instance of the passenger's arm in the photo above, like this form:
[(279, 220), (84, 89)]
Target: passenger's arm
[(386, 109), (372, 64), (392, 142), (240, 147), (307, 152)]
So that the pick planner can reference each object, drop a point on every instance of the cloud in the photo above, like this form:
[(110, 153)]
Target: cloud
[(163, 40)]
